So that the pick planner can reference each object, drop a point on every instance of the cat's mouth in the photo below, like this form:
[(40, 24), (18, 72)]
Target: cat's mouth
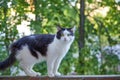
[(66, 40)]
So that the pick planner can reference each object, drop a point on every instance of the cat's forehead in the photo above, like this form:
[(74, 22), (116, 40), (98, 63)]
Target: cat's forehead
[(65, 31)]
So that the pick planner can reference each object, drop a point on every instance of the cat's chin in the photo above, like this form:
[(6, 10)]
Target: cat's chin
[(65, 41)]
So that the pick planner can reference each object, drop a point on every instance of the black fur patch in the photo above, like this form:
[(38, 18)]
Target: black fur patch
[(9, 61), (59, 33), (37, 42)]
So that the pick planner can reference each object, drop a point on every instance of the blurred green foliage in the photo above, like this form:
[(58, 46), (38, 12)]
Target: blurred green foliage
[(100, 31)]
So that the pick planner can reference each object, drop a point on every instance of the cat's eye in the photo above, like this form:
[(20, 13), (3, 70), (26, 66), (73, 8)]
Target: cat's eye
[(62, 34), (68, 34)]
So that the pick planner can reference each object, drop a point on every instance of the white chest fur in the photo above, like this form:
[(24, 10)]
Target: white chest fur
[(58, 47)]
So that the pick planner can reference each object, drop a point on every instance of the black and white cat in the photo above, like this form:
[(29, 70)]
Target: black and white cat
[(33, 49)]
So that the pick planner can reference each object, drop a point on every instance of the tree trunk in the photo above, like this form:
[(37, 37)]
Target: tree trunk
[(81, 35)]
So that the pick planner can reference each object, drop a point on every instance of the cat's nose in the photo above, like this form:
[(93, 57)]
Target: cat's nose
[(65, 39)]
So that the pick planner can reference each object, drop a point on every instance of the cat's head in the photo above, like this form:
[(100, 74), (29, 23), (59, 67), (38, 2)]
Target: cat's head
[(65, 34)]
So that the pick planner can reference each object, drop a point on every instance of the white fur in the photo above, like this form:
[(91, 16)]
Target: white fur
[(55, 53)]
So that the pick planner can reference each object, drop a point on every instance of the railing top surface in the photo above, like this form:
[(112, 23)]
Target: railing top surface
[(67, 76)]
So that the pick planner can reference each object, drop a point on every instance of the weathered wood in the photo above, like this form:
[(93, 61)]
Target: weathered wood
[(72, 77)]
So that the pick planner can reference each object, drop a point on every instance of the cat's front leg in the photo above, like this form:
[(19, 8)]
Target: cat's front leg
[(50, 65), (56, 66)]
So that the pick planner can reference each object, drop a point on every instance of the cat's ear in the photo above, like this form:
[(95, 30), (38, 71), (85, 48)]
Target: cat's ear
[(73, 29), (59, 28)]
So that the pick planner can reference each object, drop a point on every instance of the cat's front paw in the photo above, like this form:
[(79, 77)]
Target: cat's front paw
[(34, 74), (38, 74), (51, 75), (57, 74)]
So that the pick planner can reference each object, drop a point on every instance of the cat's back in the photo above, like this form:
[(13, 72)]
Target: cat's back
[(43, 37), (36, 40)]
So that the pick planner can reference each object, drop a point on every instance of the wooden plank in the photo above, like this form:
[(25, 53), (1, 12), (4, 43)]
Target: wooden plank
[(70, 77)]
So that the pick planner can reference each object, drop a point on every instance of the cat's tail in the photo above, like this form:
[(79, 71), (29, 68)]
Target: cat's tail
[(9, 61)]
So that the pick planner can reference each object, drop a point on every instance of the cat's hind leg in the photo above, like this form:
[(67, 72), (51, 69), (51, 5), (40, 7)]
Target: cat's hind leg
[(27, 61), (28, 69)]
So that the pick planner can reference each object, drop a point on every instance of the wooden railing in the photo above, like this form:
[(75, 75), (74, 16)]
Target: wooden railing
[(70, 77)]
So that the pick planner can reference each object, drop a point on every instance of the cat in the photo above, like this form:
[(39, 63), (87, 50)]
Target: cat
[(36, 48)]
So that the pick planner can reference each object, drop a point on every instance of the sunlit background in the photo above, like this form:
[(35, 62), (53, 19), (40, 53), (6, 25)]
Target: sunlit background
[(101, 53)]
